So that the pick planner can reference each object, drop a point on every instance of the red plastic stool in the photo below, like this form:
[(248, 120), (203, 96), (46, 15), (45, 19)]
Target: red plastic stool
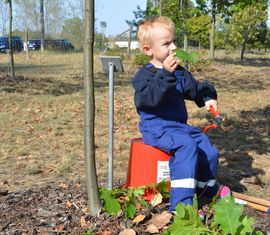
[(147, 164)]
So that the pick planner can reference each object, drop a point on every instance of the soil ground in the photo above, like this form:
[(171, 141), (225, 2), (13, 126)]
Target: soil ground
[(41, 129)]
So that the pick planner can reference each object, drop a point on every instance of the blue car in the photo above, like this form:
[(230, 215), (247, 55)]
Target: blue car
[(17, 43), (34, 44)]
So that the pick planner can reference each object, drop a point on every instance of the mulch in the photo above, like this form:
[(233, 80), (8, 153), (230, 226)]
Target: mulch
[(62, 209)]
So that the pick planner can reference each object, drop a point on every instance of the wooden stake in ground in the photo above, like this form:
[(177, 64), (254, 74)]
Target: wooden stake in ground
[(251, 199)]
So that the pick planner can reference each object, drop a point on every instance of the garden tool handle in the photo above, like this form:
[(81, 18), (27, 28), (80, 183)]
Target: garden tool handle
[(215, 113), (251, 199)]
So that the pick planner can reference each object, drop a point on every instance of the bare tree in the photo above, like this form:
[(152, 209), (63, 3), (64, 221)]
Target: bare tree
[(42, 29), (55, 15), (89, 121), (27, 14), (3, 17), (12, 70)]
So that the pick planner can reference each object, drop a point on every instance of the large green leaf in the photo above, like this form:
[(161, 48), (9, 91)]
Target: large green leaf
[(190, 57), (228, 215), (130, 207), (111, 205), (247, 226), (187, 221)]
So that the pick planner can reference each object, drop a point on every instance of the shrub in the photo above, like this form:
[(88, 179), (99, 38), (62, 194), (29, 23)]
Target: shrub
[(141, 59)]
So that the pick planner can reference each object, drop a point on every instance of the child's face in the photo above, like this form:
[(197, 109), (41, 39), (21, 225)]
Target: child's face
[(161, 46)]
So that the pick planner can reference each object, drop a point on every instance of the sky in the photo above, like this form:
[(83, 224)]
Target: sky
[(116, 12)]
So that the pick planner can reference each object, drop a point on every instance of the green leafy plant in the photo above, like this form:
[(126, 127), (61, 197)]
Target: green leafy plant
[(187, 221), (125, 198), (191, 57), (228, 219)]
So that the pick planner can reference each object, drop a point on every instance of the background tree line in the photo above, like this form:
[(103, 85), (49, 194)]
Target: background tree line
[(62, 19), (210, 24)]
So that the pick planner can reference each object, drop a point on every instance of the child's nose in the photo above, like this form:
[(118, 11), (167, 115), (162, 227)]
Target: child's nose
[(173, 47)]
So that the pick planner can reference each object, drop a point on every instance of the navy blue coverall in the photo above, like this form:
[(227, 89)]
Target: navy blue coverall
[(160, 101)]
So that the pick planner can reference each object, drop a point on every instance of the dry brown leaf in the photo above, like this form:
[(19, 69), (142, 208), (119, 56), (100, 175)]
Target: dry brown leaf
[(106, 232), (151, 228), (156, 200), (85, 210), (83, 222), (44, 232), (60, 227), (160, 220), (127, 232), (121, 199), (69, 204), (62, 185), (137, 205), (138, 218)]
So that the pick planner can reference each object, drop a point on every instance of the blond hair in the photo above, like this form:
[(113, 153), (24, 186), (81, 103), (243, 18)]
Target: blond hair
[(147, 26)]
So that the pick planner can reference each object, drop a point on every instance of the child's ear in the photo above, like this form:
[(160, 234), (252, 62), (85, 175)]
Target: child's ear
[(147, 50)]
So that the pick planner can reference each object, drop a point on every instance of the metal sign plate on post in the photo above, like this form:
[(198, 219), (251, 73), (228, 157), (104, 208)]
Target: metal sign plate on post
[(111, 64), (116, 60)]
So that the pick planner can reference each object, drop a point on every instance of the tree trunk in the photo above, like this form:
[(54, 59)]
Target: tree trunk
[(186, 48), (129, 40), (26, 44), (11, 58), (244, 44), (42, 28), (89, 121), (212, 34)]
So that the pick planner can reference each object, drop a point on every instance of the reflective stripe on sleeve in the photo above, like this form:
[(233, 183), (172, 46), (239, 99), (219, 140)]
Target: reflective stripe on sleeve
[(183, 183)]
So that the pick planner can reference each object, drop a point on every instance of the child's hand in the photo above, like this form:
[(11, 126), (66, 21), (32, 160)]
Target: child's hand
[(212, 103), (170, 63)]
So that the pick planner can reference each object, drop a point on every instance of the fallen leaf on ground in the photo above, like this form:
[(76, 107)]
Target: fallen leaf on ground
[(127, 232), (157, 199), (62, 185), (68, 204), (160, 220), (151, 228), (138, 218), (106, 232), (85, 210), (83, 222), (60, 227)]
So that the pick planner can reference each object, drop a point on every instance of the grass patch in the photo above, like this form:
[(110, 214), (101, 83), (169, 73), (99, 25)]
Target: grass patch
[(64, 165), (33, 168)]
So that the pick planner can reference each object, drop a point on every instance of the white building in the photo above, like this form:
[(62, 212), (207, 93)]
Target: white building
[(124, 44)]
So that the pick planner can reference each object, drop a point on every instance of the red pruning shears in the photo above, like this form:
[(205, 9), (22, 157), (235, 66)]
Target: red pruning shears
[(217, 120)]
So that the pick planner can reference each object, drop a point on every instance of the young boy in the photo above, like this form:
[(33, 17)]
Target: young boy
[(160, 90)]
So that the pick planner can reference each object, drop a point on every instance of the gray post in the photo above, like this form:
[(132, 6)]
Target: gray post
[(111, 124)]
